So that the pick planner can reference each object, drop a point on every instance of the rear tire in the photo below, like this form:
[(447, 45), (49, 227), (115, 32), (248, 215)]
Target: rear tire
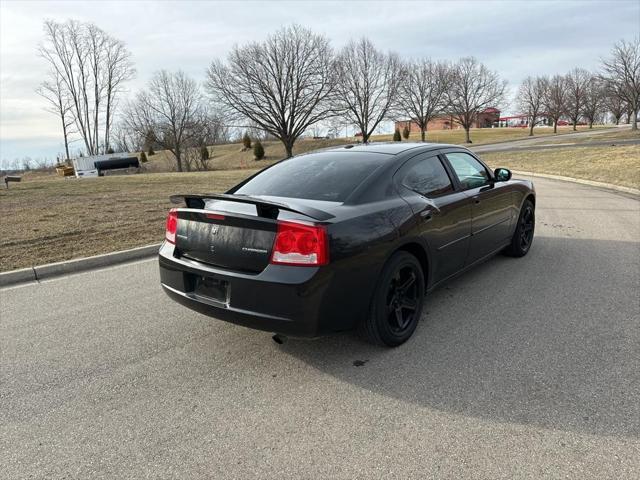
[(397, 303), (523, 236)]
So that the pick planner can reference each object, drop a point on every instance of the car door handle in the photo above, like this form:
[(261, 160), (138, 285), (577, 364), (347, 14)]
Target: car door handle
[(426, 215), (476, 200)]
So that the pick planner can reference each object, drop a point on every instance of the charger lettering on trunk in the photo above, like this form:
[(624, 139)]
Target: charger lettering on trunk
[(254, 250)]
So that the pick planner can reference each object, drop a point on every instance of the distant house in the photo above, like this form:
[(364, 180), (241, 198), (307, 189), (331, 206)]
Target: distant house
[(486, 119)]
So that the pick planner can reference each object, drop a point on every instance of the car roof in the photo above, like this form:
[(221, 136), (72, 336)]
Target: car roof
[(389, 148)]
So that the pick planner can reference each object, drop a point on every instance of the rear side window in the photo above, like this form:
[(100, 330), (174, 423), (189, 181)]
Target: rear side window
[(429, 178), (329, 176), (470, 171)]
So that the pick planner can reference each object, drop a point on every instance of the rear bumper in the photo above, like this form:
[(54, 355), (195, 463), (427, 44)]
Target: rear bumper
[(281, 299)]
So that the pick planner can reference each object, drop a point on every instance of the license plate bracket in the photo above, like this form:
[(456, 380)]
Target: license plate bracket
[(211, 288)]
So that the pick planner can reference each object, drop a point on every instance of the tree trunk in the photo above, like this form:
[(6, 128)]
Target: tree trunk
[(555, 126), (288, 147), (531, 130), (590, 124), (107, 127), (423, 134), (575, 122), (178, 156), (634, 120), (467, 136), (66, 144), (66, 140)]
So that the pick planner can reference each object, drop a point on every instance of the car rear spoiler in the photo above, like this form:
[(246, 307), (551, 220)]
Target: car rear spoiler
[(266, 208)]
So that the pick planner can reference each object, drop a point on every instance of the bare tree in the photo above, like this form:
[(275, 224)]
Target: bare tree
[(531, 95), (622, 70), (93, 44), (422, 91), (594, 100), (92, 67), (170, 111), (555, 99), (613, 103), (254, 131), (212, 130), (43, 163), (578, 81), (125, 139), (473, 88), (366, 85), (335, 128), (628, 113), (282, 84), (218, 131), (60, 104), (118, 68)]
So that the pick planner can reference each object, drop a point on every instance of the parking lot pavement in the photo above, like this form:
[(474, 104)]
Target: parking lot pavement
[(521, 368)]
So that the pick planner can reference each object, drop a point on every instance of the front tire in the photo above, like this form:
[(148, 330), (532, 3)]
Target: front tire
[(397, 303), (523, 236)]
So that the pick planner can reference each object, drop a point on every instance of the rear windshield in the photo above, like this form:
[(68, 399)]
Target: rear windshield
[(330, 176)]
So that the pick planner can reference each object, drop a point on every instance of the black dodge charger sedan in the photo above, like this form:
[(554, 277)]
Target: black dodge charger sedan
[(343, 238)]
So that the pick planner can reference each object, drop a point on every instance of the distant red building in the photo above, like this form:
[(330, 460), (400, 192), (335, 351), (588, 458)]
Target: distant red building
[(485, 119)]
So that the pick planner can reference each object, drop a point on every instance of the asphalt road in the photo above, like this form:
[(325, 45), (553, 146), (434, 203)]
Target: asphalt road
[(522, 368)]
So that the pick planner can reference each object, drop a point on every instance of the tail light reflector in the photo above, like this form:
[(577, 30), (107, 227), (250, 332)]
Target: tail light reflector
[(172, 226), (300, 244)]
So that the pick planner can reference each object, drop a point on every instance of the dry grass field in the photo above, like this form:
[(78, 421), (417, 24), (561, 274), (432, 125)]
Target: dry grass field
[(47, 218), (616, 164), (482, 136), (612, 134), (232, 156)]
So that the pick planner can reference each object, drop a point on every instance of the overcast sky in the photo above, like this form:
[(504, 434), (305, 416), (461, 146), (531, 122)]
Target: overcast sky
[(515, 38)]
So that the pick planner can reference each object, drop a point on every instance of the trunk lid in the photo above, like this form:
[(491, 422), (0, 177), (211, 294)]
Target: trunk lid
[(227, 240), (234, 235)]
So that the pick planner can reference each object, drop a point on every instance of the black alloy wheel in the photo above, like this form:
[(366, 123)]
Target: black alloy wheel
[(527, 224), (525, 228), (402, 299), (397, 303)]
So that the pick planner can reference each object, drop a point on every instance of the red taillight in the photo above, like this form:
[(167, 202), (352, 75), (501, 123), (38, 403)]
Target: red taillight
[(172, 226), (299, 244)]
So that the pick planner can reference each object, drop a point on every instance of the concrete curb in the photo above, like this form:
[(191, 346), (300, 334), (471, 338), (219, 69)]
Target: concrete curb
[(17, 276), (591, 183), (57, 269)]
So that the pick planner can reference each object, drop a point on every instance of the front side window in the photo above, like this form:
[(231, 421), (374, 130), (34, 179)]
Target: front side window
[(429, 178), (470, 171)]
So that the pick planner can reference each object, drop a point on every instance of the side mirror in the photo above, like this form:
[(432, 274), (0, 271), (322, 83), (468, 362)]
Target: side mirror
[(502, 174)]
